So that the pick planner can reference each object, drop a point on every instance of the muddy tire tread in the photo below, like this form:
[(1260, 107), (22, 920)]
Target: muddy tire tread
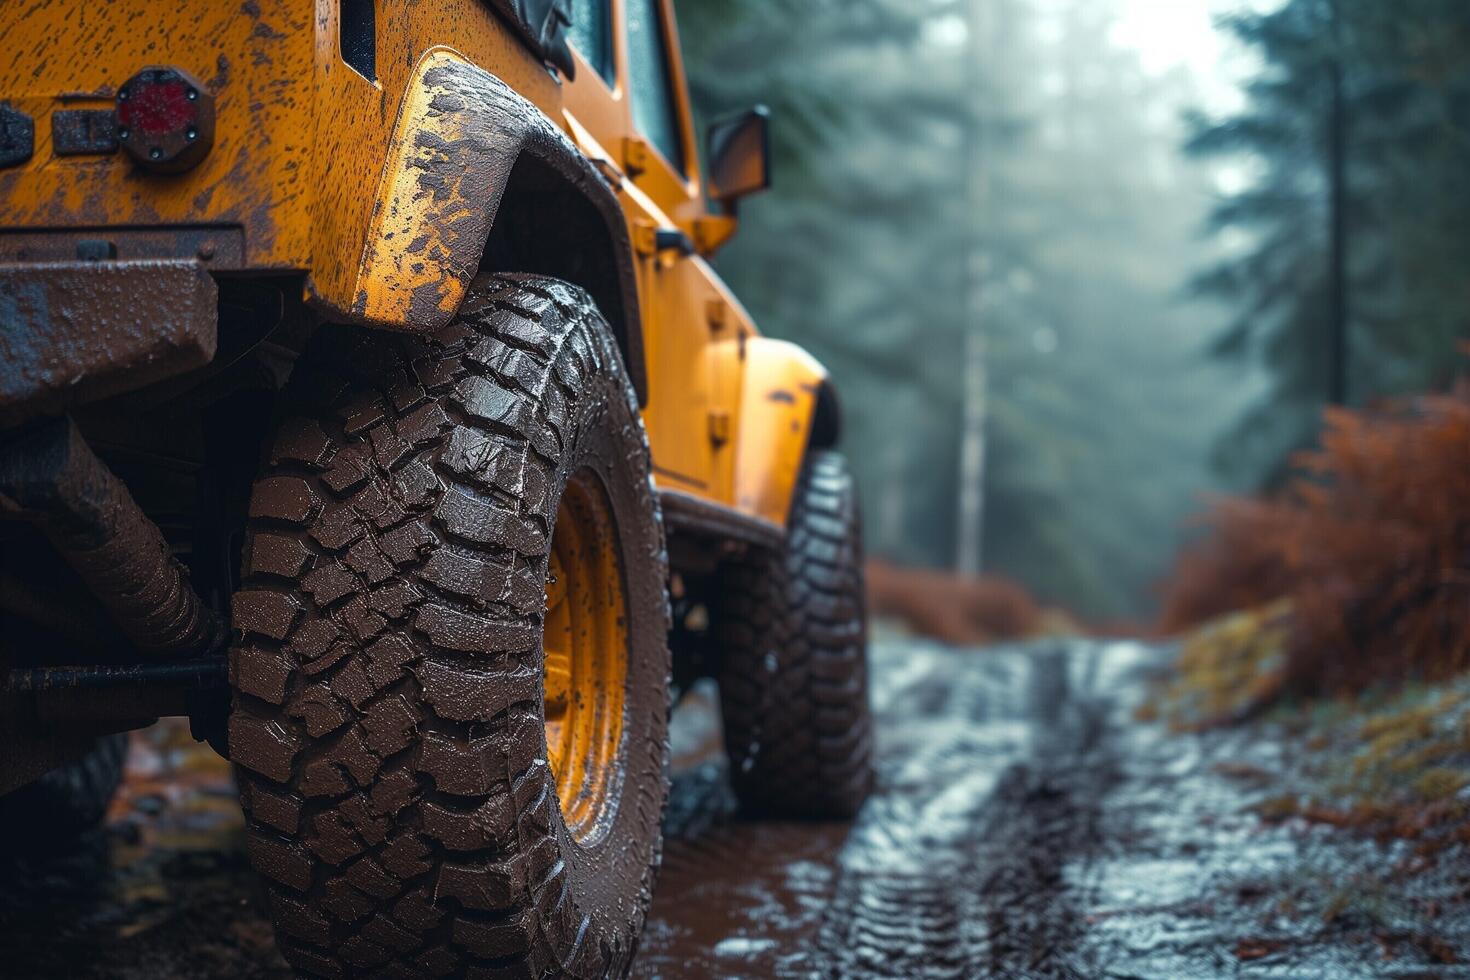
[(384, 707), (793, 680), (67, 801)]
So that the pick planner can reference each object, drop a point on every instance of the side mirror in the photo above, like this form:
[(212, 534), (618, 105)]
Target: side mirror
[(740, 155)]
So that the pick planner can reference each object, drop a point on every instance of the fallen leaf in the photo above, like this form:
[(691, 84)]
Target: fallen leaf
[(1254, 949)]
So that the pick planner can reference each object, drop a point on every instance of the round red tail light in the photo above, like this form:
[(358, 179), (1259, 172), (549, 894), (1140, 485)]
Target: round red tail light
[(165, 119)]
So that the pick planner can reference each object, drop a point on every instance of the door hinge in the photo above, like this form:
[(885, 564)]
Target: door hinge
[(635, 155), (719, 427), (645, 238), (648, 239), (712, 231), (714, 314)]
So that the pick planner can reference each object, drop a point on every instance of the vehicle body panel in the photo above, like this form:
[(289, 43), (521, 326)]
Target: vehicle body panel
[(319, 170)]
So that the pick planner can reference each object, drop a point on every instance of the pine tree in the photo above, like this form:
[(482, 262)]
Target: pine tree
[(1373, 99), (862, 254)]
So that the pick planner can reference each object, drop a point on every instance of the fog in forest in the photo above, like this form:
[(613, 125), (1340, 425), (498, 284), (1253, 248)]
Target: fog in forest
[(1009, 177), (1090, 235)]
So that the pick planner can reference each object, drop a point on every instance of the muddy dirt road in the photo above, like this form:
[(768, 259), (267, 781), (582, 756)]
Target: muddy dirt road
[(1024, 825)]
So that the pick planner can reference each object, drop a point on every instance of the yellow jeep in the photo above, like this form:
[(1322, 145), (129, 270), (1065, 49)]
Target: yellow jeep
[(368, 397)]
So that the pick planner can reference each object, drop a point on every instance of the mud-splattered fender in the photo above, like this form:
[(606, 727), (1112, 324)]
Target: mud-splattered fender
[(780, 388), (459, 134)]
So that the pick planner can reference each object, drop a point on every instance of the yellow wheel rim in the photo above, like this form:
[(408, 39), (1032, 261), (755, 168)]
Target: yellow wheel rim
[(586, 656)]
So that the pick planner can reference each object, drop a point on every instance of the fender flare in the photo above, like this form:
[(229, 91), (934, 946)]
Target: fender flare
[(826, 417), (459, 136), (787, 404)]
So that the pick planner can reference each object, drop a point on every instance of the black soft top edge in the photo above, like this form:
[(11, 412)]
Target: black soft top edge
[(543, 25)]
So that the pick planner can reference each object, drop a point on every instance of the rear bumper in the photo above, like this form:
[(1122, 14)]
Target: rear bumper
[(72, 333)]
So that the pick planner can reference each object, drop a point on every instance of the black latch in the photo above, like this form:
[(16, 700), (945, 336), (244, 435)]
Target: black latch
[(96, 250), (77, 131), (17, 136), (673, 240)]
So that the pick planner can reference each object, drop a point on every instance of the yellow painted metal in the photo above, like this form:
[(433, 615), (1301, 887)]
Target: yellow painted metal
[(410, 249), (778, 398), (260, 70), (585, 640), (312, 164), (300, 139), (679, 195)]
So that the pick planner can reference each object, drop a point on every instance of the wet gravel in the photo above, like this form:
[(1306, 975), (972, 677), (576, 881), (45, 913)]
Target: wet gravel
[(1025, 824)]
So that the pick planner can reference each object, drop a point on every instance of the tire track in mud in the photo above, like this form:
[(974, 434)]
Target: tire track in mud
[(947, 876), (993, 768), (1044, 823)]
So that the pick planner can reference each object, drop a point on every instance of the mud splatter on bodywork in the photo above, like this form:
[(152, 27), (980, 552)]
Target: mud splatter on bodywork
[(460, 133)]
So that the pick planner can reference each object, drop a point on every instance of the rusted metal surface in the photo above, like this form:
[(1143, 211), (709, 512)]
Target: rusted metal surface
[(203, 674), (50, 476), (214, 246), (72, 333)]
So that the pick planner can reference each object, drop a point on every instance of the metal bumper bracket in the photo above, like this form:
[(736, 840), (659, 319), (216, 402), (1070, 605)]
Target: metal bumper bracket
[(75, 332)]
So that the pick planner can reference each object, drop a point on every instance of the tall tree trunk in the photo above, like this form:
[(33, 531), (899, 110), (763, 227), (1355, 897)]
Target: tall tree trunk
[(1337, 298), (972, 454), (970, 519)]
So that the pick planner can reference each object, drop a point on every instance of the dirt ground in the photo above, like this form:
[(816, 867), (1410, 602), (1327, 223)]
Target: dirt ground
[(1025, 824)]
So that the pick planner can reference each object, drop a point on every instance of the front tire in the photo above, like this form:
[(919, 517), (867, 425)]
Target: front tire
[(392, 707), (794, 669)]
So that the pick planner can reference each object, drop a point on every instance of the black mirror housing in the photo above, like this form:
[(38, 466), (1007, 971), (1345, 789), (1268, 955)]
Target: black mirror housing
[(740, 155)]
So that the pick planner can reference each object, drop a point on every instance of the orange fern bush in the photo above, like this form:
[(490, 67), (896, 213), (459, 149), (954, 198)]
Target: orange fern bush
[(1236, 564), (952, 609), (1370, 543), (1381, 554)]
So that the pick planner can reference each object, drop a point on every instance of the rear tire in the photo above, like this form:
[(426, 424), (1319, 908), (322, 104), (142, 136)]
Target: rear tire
[(67, 801), (389, 720), (794, 671)]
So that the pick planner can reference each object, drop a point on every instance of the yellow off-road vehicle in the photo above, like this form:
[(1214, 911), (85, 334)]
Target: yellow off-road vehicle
[(367, 397)]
